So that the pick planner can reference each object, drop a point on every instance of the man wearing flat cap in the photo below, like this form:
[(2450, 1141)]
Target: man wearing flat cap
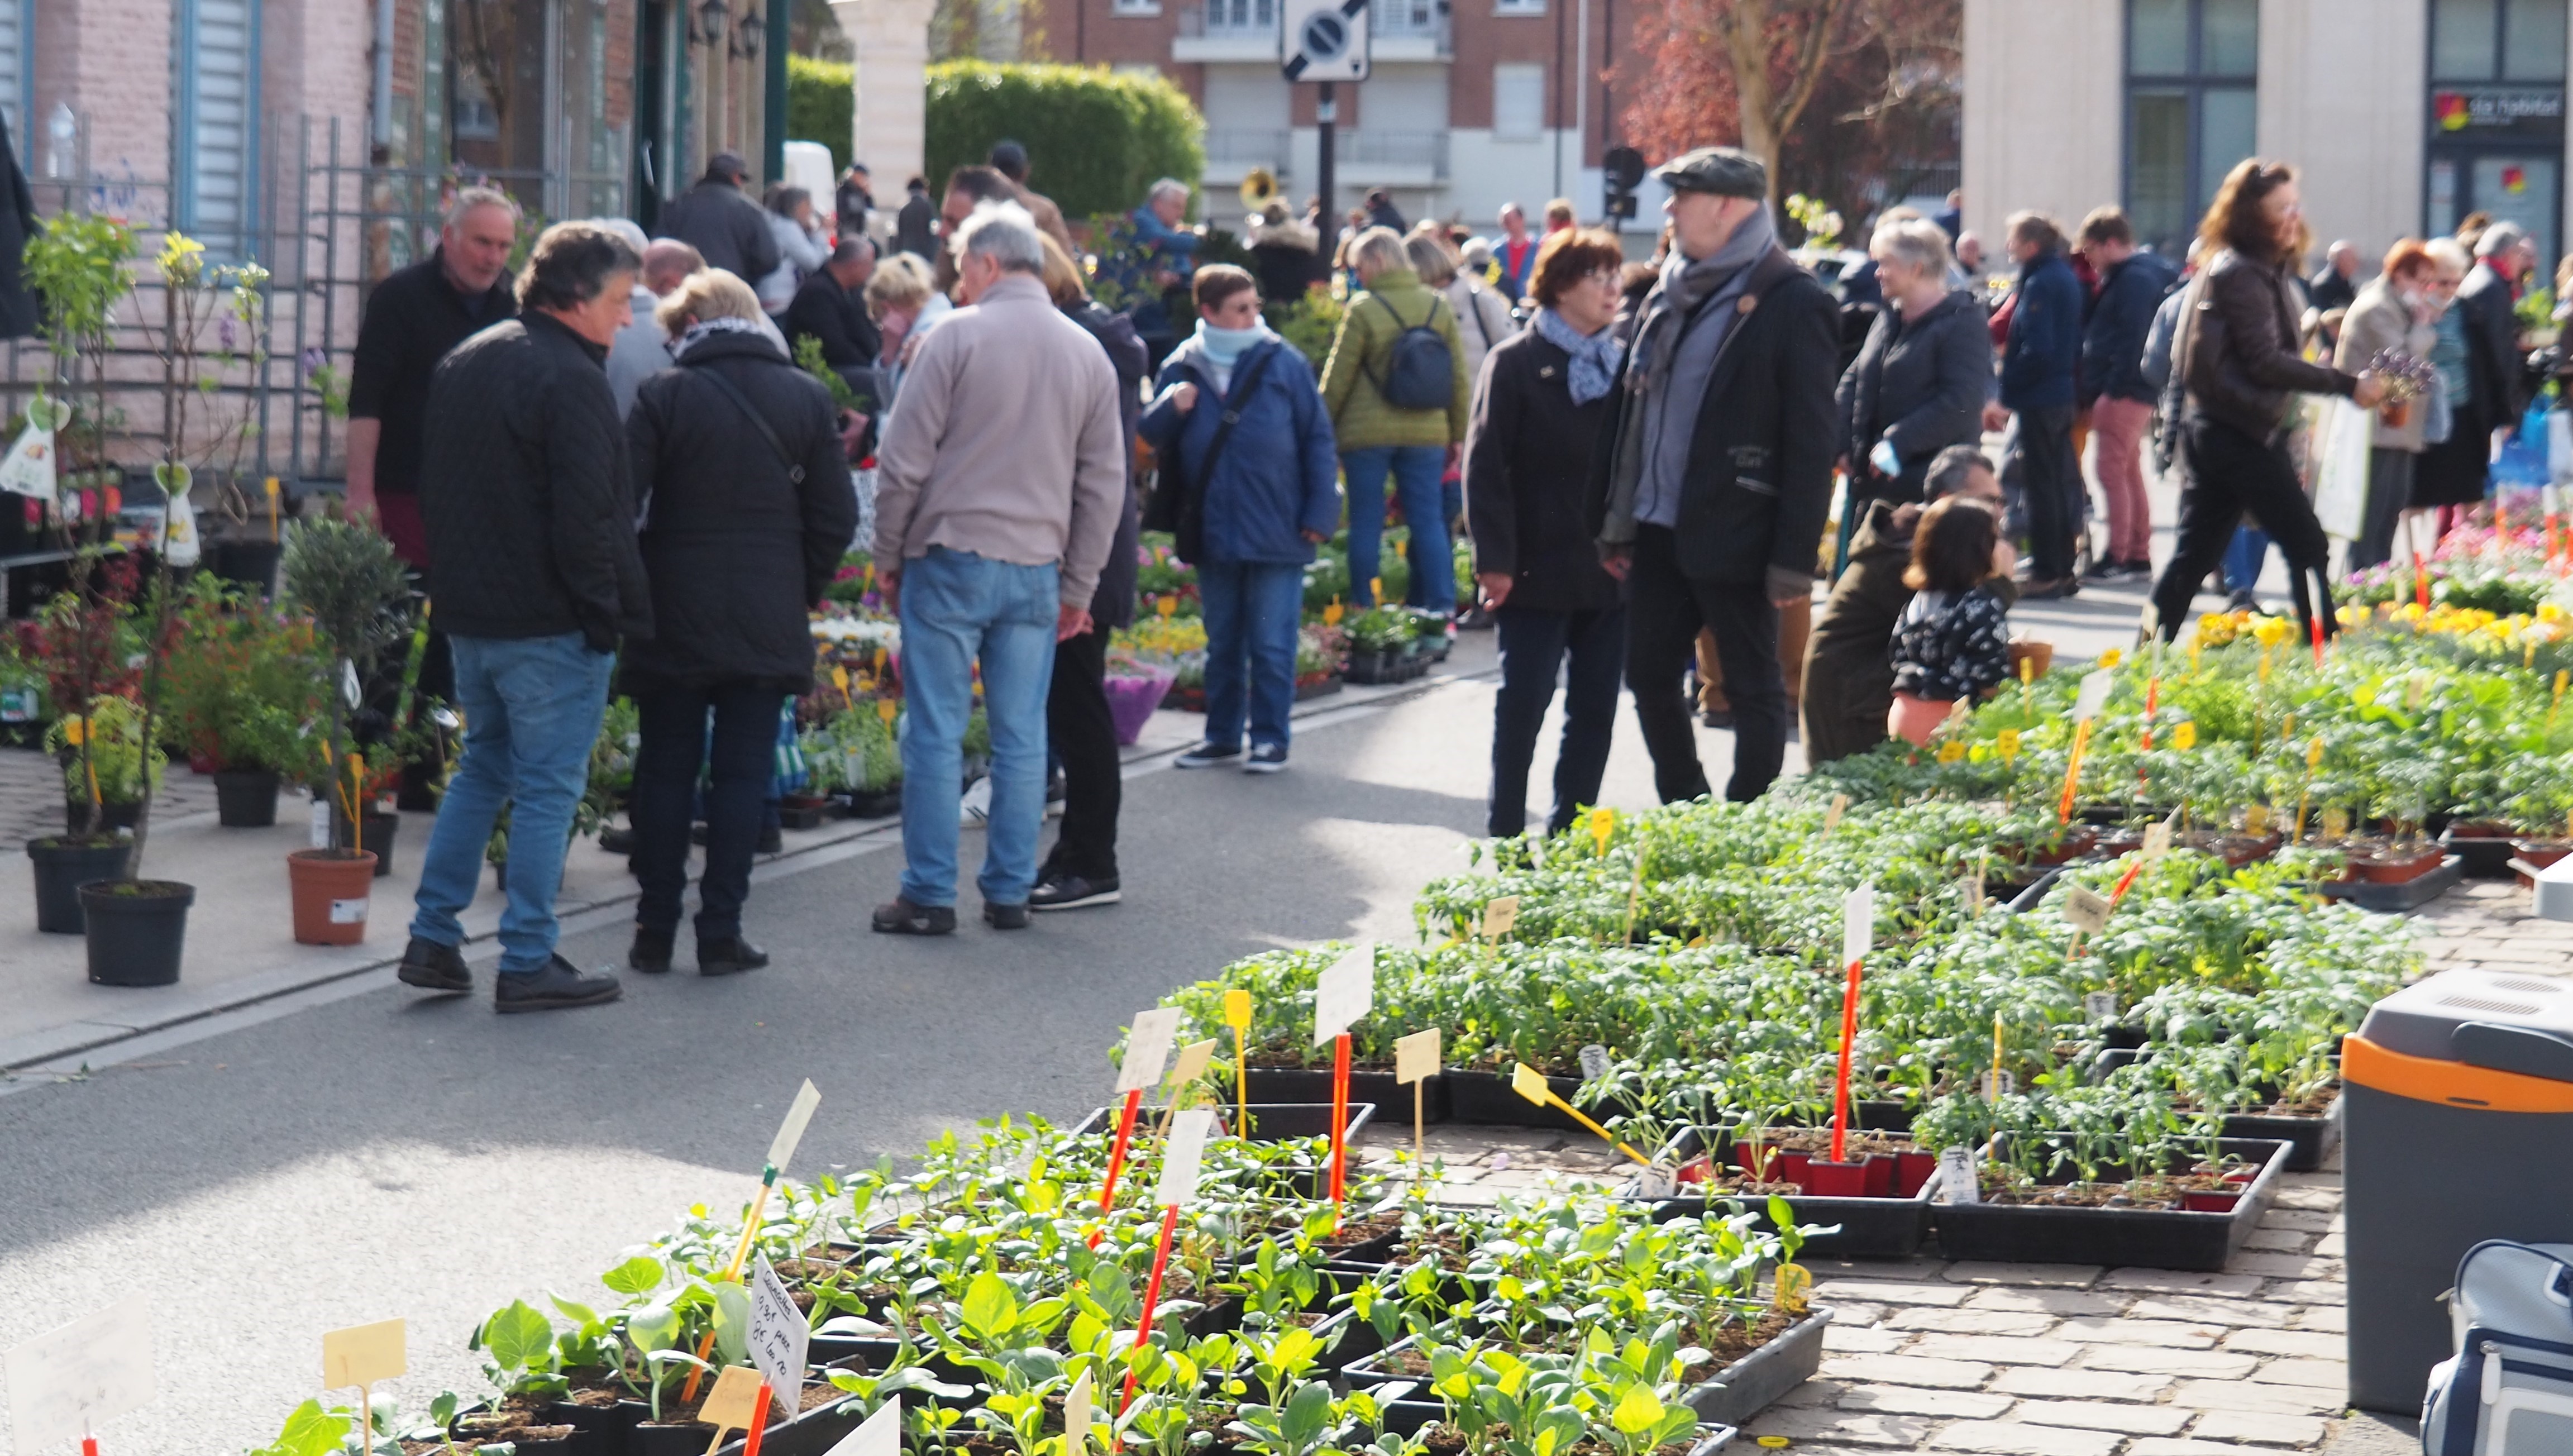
[(1711, 487)]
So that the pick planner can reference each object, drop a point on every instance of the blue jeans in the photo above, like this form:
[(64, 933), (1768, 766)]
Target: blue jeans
[(958, 607), (2243, 558), (1252, 612), (1416, 471), (531, 708)]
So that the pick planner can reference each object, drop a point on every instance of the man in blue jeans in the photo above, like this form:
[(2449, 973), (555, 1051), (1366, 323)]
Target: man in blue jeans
[(532, 563), (999, 485), (1255, 502)]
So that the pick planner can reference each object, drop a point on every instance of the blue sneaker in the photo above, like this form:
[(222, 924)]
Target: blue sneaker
[(1266, 758), (1207, 754)]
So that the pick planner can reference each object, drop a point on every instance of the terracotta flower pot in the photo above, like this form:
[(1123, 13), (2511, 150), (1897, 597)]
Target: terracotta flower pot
[(2539, 853), (2040, 654), (2396, 415), (330, 889)]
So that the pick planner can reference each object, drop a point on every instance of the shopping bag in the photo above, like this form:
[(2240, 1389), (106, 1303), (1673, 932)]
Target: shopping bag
[(2340, 468), (2559, 447)]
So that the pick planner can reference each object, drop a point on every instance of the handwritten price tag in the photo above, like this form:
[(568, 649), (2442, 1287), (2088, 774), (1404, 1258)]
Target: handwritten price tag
[(1416, 1056), (68, 1383), (1147, 1046), (1499, 914), (2099, 1006), (2158, 838), (1343, 993), (778, 1337), (1594, 1062), (2086, 910)]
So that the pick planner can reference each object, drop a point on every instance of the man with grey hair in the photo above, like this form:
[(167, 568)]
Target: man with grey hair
[(1168, 250), (2497, 385), (1000, 479), (413, 318), (530, 511), (2336, 285)]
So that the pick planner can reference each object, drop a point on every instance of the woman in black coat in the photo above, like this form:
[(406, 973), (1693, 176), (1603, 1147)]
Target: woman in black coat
[(1920, 380), (1543, 399), (745, 504)]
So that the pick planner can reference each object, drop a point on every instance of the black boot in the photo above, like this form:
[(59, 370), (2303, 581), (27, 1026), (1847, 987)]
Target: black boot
[(652, 950), (728, 957), (432, 967)]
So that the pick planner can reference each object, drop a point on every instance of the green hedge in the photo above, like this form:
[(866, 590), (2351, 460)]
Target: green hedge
[(1095, 140), (821, 106)]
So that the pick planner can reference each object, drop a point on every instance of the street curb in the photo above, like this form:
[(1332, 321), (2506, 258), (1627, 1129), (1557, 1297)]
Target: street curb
[(54, 1044)]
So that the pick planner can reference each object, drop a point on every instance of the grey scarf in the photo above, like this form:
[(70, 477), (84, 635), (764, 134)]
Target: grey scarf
[(1686, 283)]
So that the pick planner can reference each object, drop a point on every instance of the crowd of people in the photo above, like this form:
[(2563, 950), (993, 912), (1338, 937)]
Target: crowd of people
[(612, 470)]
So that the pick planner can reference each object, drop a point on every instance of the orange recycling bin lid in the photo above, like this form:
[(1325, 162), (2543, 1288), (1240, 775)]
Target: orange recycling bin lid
[(2456, 1084)]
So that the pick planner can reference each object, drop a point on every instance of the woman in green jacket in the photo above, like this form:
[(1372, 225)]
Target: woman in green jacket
[(1386, 348)]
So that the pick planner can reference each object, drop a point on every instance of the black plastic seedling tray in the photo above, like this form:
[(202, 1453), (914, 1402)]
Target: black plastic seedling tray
[(2153, 1238)]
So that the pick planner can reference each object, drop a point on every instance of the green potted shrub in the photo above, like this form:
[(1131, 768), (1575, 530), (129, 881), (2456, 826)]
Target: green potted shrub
[(347, 578)]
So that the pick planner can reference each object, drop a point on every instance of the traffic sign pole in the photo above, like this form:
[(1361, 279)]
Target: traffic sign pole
[(1326, 118)]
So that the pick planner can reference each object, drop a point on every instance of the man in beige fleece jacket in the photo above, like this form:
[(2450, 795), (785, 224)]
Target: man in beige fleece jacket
[(999, 481)]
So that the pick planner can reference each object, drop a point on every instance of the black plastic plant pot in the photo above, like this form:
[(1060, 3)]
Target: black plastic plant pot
[(1888, 1227), (596, 1429), (2309, 1139), (802, 812), (62, 867), (376, 835), (1410, 1416), (2482, 851), (1760, 1379), (812, 1433), (137, 930), (112, 816), (2152, 1239), (1314, 1084), (245, 798), (251, 564), (1270, 1121), (1486, 1099), (870, 803), (2396, 899)]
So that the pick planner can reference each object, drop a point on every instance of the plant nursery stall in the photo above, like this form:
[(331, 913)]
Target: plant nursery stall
[(2071, 985)]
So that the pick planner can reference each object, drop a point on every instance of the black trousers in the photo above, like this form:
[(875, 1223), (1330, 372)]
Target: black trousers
[(1534, 644), (743, 765), (1664, 610), (1084, 738), (2230, 473), (2049, 477)]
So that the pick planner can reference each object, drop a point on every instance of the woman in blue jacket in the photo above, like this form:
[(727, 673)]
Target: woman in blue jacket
[(1249, 482)]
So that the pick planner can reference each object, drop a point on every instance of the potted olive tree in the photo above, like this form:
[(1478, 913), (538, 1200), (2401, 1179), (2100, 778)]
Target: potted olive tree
[(347, 578)]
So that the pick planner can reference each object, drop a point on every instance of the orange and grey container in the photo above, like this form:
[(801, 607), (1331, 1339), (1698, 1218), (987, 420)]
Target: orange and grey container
[(2458, 1095)]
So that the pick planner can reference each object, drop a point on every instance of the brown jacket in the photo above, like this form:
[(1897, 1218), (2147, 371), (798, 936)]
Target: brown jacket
[(2242, 363), (1048, 218), (2379, 321), (1004, 441), (1848, 664)]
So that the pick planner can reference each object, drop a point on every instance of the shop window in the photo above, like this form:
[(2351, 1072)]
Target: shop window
[(214, 123), (2192, 69)]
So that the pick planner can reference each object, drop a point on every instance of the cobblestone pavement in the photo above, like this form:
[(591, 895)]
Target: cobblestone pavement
[(30, 795), (1930, 1355)]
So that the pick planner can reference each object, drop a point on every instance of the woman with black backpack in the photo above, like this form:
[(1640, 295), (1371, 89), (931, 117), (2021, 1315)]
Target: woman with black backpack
[(1399, 399)]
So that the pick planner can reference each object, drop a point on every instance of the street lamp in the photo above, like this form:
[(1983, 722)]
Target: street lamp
[(746, 36), (710, 21)]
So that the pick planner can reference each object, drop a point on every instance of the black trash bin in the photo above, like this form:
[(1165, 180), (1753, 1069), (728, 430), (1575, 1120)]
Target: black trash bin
[(2459, 1097)]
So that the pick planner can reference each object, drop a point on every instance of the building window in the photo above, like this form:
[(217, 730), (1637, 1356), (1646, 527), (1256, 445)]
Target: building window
[(2497, 114), (1518, 7), (214, 123), (1136, 7), (2192, 79), (17, 27), (1519, 102)]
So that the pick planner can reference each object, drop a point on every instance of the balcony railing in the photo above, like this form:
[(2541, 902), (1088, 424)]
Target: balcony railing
[(1229, 20), (1393, 149), (1410, 20), (1251, 145)]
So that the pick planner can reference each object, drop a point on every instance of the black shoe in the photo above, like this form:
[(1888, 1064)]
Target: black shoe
[(432, 967), (1717, 717), (902, 918), (772, 841), (2055, 590), (1207, 754), (651, 952), (1266, 758), (2243, 601), (558, 987), (1005, 917), (1062, 891), (728, 957)]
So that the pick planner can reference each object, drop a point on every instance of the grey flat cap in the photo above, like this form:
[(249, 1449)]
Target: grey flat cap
[(1724, 170)]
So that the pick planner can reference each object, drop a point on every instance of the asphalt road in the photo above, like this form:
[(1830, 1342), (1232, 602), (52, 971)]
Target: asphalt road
[(368, 1153)]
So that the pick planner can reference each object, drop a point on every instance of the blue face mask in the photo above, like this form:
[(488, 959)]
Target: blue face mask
[(1224, 346)]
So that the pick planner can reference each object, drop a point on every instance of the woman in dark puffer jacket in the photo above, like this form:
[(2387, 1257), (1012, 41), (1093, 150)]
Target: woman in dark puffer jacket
[(745, 506), (2238, 354)]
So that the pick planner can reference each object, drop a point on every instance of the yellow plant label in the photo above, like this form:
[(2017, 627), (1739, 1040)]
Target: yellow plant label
[(362, 1354), (2184, 735), (2255, 820), (840, 677), (733, 1401), (1530, 1083), (1236, 1008), (2086, 910), (1603, 823), (2314, 753), (1416, 1056), (1499, 914), (1167, 606), (1793, 1287), (2112, 657), (74, 730), (885, 709), (2335, 823), (2005, 743), (1951, 750)]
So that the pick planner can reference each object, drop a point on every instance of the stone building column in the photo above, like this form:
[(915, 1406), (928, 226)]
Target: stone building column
[(891, 39)]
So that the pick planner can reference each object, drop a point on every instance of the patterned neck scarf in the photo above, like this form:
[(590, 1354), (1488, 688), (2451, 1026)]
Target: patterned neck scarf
[(1595, 356), (705, 329)]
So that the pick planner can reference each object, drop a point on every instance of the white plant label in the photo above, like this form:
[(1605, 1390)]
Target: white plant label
[(1416, 1058), (179, 533), (1499, 914), (879, 1435), (318, 819), (1344, 994), (29, 468), (1183, 1157), (347, 912), (1075, 1418), (1969, 888), (2086, 910), (778, 1335), (1661, 1180), (1191, 1065), (1858, 922), (2099, 1006), (1998, 1083), (791, 1132), (68, 1383), (1594, 1062), (1147, 1046), (1956, 1175), (2158, 837), (2094, 696)]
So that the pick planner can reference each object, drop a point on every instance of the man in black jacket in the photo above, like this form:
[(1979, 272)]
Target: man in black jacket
[(533, 565), (729, 229), (832, 306), (1712, 484)]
